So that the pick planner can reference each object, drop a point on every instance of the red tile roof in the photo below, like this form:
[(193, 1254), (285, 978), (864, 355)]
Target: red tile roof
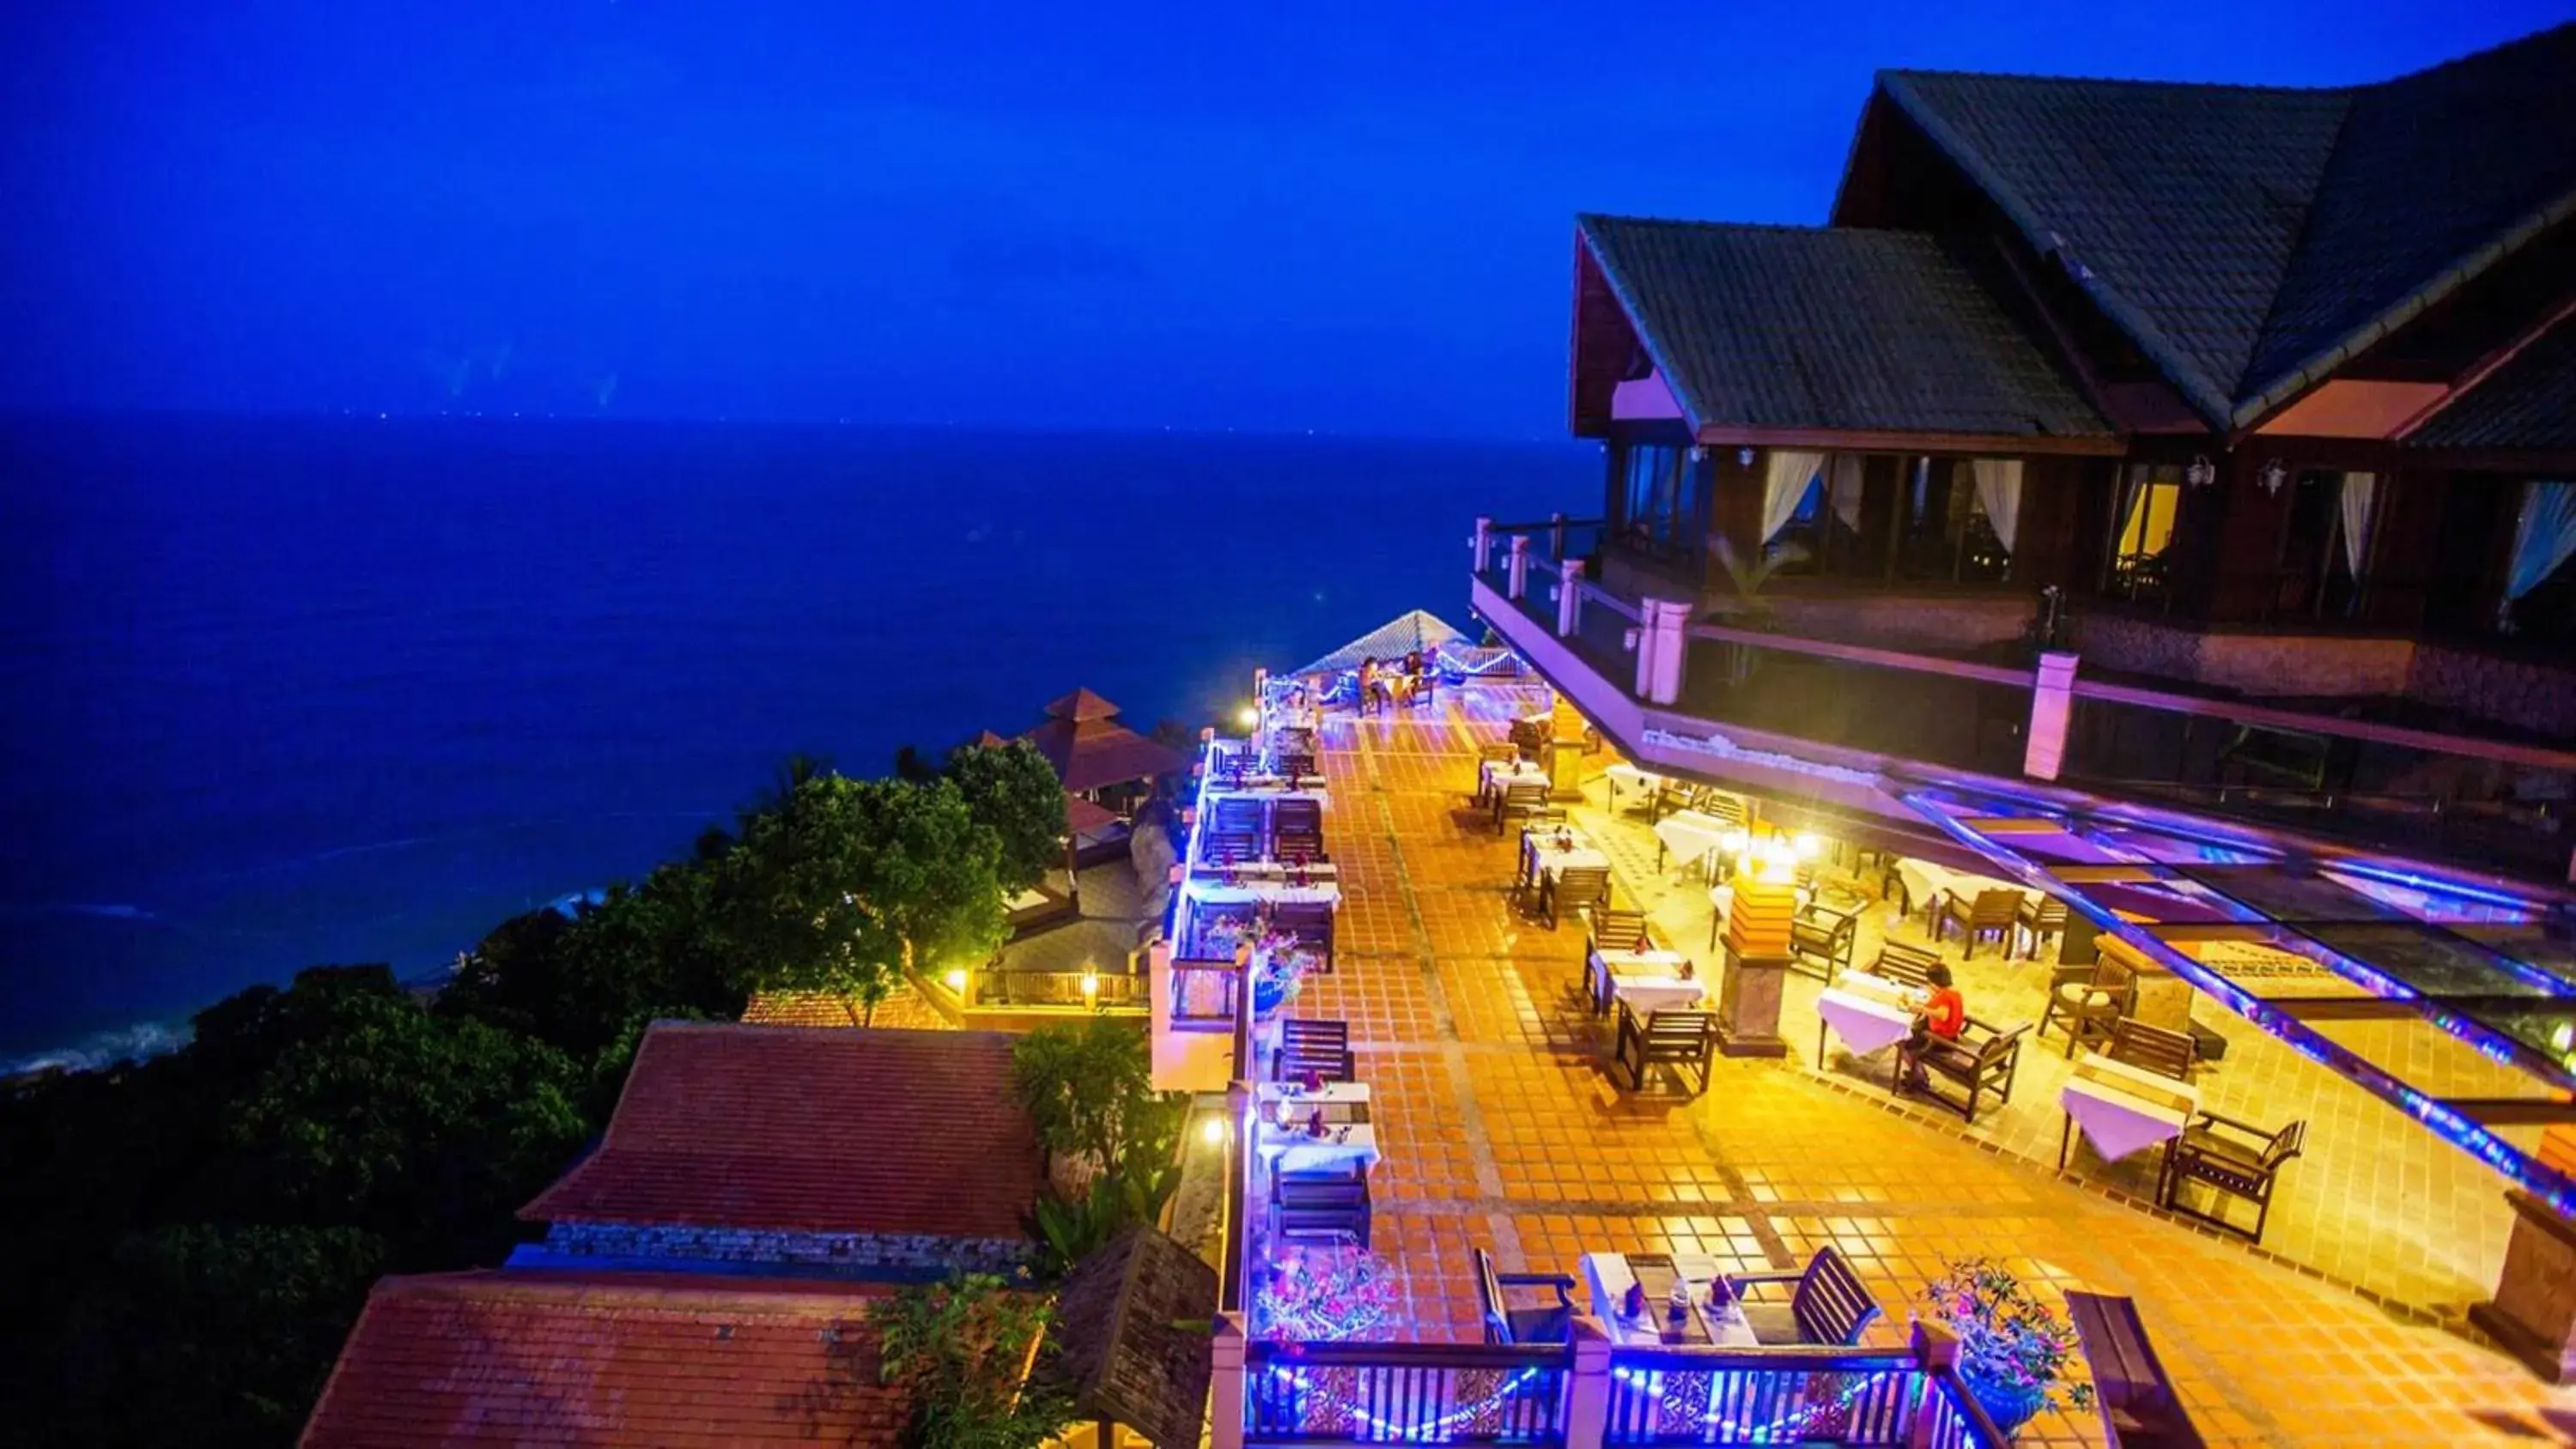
[(1090, 753), (1082, 704), (523, 1357), (811, 1129)]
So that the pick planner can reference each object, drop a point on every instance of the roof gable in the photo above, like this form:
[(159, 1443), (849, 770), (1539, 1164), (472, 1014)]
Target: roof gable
[(1812, 329), (812, 1129), (1082, 704), (2527, 404)]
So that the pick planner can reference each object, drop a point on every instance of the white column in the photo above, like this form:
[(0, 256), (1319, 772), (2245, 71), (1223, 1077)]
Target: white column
[(1569, 597), (1518, 587), (2052, 708), (1225, 1384), (1660, 644), (1483, 543), (1587, 1398)]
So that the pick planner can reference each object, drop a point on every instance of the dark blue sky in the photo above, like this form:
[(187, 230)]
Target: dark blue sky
[(1351, 217)]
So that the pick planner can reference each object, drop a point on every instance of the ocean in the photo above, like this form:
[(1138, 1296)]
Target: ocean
[(286, 692)]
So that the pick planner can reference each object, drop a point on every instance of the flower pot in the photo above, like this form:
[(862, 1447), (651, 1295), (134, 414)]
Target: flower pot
[(2009, 1405), (1268, 994)]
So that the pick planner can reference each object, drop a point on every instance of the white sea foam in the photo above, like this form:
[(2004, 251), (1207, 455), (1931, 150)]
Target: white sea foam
[(106, 1048)]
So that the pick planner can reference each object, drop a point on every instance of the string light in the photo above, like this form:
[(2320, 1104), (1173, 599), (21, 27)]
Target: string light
[(1433, 1431)]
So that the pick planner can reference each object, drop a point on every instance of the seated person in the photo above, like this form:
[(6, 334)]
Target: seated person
[(1940, 1018)]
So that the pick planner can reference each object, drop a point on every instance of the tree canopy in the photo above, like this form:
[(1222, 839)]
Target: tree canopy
[(1013, 789)]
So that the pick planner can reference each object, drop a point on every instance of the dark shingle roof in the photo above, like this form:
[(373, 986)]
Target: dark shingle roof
[(812, 1129), (1133, 1323), (2177, 207), (1804, 328), (2241, 234), (483, 1358), (2529, 403)]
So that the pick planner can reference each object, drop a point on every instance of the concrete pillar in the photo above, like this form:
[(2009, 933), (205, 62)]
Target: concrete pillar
[(2533, 1313), (1483, 543), (1757, 967), (1225, 1384), (1660, 647), (2052, 709), (1587, 1397), (1935, 1347), (1517, 584), (1569, 597)]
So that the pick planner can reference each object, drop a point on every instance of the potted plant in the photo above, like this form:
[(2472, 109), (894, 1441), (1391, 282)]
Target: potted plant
[(2013, 1348), (1342, 1293), (1278, 968)]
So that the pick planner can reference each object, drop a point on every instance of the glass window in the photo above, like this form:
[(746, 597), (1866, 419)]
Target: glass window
[(1659, 508), (2142, 532), (1943, 532)]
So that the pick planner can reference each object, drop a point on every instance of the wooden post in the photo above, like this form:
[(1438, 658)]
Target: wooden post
[(1225, 1384), (1935, 1347), (1483, 543), (1517, 584), (1587, 1397), (1569, 597)]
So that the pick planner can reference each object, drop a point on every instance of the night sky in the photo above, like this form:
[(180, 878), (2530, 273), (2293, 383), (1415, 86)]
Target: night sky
[(1345, 217)]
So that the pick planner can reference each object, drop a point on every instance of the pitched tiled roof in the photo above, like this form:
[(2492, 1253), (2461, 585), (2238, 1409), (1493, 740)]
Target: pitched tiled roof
[(1804, 328), (2241, 234), (904, 1009), (1081, 704), (2529, 403), (542, 1358), (1397, 637), (1133, 1321), (811, 1129), (1091, 752)]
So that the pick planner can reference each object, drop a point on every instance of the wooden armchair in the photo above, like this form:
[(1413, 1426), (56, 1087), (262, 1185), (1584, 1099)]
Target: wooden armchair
[(1577, 887), (1317, 1045), (2165, 1052), (1527, 801), (1829, 1307), (2089, 1001), (1992, 913), (1984, 1057), (2235, 1159), (1682, 1041), (1905, 965), (1822, 936), (1311, 922), (1548, 1323), (2041, 917), (1320, 1206), (1610, 931)]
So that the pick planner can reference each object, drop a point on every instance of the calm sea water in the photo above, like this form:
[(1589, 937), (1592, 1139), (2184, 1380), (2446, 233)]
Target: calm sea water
[(280, 693)]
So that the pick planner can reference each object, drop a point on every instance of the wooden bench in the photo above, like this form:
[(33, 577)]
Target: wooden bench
[(1829, 1307), (1314, 1045), (1548, 1323), (2139, 1410), (1320, 1206), (1683, 1041)]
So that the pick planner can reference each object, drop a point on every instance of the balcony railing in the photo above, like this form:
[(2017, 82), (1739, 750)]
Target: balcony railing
[(1406, 1393)]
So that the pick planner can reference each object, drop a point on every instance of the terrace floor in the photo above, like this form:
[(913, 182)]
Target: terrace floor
[(1502, 1129)]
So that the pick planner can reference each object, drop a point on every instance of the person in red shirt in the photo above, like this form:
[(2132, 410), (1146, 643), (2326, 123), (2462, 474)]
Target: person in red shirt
[(1941, 1016)]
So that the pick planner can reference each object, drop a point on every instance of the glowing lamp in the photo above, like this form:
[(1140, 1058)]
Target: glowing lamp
[(2563, 1036), (957, 979), (1212, 1131), (1250, 716), (1090, 988), (1807, 845), (1735, 843)]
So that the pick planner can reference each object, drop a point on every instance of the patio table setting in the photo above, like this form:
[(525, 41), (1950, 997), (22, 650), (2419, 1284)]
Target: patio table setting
[(1701, 1325), (1624, 776), (1309, 1140), (1868, 1012), (1649, 981), (1341, 1102), (1548, 851), (1252, 885), (1690, 836), (2122, 1109), (1494, 776), (1926, 882)]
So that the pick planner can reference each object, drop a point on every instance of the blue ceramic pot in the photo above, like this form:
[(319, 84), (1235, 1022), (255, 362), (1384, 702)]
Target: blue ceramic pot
[(1267, 993), (2009, 1405)]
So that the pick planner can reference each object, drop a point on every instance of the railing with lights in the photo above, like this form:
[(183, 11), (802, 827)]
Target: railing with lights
[(1404, 1393), (1763, 1396)]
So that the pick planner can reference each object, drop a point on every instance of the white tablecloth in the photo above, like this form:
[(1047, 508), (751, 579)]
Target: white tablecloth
[(1553, 862), (1924, 880), (2118, 1122), (1650, 981), (1493, 775), (1291, 1150), (1689, 835), (1864, 1023), (1334, 1094), (1608, 1278), (1217, 893)]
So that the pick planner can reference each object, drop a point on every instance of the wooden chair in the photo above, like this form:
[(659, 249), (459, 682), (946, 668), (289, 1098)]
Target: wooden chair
[(1311, 922), (1829, 1308), (2233, 1158), (1683, 1041), (1320, 1206), (1317, 1045), (1823, 936), (1226, 848), (1423, 685), (1235, 815), (1983, 1058), (1548, 1323), (2090, 1001), (1905, 965), (1991, 914), (2137, 1400), (1610, 931), (1500, 752), (1528, 801), (1577, 887), (2165, 1052), (2041, 917)]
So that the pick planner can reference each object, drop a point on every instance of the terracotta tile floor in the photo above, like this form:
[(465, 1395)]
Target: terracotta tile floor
[(1500, 1129)]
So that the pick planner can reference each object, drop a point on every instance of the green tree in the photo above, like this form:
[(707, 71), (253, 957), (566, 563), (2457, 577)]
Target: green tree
[(214, 1334), (1013, 789), (961, 1353), (1089, 1089)]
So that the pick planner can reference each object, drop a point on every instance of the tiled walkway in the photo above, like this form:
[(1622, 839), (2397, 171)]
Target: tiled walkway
[(1501, 1129)]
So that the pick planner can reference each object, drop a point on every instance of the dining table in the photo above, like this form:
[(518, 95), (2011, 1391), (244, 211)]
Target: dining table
[(1868, 1012), (1624, 776), (1245, 890), (1548, 851), (1690, 835), (1648, 981), (1341, 1101), (1926, 881), (1608, 1276), (2122, 1109), (1294, 1148), (1494, 776)]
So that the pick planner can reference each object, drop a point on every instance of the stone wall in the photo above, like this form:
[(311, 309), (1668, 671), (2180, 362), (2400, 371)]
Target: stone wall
[(1932, 622), (786, 1248), (2255, 664), (2518, 692)]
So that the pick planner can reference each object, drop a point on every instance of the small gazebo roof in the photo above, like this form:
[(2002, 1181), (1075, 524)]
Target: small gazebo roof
[(1133, 1318), (987, 740), (1081, 817), (1082, 738), (1397, 637), (1082, 704)]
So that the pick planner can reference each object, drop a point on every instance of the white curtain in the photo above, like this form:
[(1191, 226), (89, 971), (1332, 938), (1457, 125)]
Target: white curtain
[(1999, 493), (2544, 536), (1843, 486), (2355, 498), (1784, 481)]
